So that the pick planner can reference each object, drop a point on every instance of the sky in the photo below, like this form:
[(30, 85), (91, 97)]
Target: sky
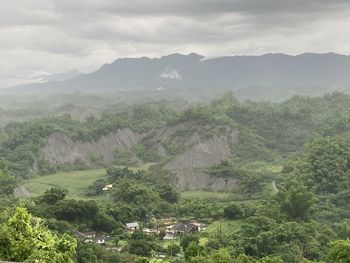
[(43, 37)]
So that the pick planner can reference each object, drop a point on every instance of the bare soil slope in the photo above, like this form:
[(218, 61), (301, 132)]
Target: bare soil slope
[(61, 149), (188, 168), (196, 152)]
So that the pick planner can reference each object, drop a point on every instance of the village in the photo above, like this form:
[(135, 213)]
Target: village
[(166, 229)]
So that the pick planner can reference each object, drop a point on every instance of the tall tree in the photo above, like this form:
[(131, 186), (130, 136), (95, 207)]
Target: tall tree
[(296, 201), (24, 238)]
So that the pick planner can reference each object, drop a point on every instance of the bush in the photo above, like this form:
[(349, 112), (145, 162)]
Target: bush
[(233, 212)]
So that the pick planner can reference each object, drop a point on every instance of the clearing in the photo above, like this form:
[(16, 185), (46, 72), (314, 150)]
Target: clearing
[(76, 182)]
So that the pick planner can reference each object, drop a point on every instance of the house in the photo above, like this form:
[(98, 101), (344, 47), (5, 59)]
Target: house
[(88, 237), (180, 229), (131, 227), (200, 226), (99, 240)]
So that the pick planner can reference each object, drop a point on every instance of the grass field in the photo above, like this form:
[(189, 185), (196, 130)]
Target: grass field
[(205, 195), (75, 182), (225, 226)]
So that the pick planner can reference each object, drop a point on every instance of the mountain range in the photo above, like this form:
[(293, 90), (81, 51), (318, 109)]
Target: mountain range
[(269, 76)]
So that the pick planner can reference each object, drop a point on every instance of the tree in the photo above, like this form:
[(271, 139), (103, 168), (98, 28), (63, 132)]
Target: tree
[(326, 161), (24, 238), (233, 212), (53, 195), (96, 188), (186, 240), (242, 258), (141, 244), (168, 194), (194, 250), (271, 260), (132, 191), (173, 249), (94, 253), (339, 251), (222, 256), (76, 211), (141, 247), (7, 183), (296, 201)]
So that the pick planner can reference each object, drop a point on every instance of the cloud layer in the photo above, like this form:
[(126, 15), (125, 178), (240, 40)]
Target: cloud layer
[(59, 35)]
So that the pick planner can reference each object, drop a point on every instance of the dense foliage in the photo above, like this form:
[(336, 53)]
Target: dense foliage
[(291, 203), (24, 238)]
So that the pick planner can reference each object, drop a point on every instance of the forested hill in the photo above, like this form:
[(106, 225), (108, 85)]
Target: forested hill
[(273, 180), (270, 76), (223, 129)]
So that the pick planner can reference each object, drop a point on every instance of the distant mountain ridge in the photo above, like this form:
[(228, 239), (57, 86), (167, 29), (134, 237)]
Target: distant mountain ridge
[(195, 74)]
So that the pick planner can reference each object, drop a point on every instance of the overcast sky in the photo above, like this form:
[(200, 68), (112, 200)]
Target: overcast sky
[(51, 36)]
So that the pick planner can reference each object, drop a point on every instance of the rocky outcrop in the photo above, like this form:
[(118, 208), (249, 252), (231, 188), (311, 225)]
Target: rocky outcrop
[(195, 151), (188, 168), (61, 149)]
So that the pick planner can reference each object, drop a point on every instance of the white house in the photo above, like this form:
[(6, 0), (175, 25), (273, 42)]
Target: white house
[(132, 226)]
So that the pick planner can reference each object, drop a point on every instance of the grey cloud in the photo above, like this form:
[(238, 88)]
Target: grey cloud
[(58, 35), (202, 7)]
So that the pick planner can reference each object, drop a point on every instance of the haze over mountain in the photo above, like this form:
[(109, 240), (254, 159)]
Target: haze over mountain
[(253, 77), (43, 77)]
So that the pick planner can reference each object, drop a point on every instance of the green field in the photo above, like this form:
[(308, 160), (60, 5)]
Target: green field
[(226, 227), (205, 195), (75, 182)]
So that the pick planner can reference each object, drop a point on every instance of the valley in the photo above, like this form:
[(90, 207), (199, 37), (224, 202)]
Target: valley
[(212, 175), (155, 131)]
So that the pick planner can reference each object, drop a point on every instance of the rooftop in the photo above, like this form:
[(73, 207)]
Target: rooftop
[(135, 224)]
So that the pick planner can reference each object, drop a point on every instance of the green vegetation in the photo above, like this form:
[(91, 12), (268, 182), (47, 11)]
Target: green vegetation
[(24, 238), (222, 227), (76, 182), (205, 195), (290, 203)]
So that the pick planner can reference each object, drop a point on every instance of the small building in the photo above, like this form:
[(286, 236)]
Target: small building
[(88, 237), (99, 240), (200, 226), (131, 227), (107, 187), (180, 229)]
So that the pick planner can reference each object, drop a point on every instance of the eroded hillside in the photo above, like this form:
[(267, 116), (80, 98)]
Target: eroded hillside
[(182, 143), (183, 152), (61, 149)]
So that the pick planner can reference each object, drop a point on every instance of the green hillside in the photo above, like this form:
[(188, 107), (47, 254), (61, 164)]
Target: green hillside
[(285, 168)]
